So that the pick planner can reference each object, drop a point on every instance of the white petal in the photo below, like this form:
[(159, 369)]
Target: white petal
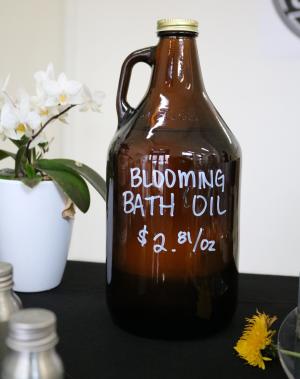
[(50, 71), (51, 102), (12, 134), (98, 97), (76, 99), (40, 93), (52, 111), (33, 120), (84, 107), (35, 101), (39, 76), (24, 104), (72, 87), (96, 108), (51, 87), (62, 79), (87, 92), (9, 118), (64, 118)]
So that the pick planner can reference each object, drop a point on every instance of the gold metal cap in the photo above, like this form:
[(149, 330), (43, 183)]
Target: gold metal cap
[(177, 24)]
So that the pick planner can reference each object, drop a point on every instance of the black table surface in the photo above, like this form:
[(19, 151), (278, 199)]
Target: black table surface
[(92, 347)]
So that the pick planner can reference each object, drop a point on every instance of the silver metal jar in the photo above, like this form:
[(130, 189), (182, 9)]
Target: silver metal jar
[(9, 303), (31, 341)]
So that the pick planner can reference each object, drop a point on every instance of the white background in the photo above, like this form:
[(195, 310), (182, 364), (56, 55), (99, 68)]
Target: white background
[(251, 68)]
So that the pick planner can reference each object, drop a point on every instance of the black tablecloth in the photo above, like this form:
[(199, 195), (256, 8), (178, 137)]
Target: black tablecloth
[(93, 348)]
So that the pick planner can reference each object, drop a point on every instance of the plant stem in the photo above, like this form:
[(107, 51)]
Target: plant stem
[(290, 353), (55, 117)]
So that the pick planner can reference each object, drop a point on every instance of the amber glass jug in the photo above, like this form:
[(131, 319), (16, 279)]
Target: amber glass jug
[(172, 198)]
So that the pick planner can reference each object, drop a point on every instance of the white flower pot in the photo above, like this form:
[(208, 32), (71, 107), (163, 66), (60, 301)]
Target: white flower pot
[(34, 237)]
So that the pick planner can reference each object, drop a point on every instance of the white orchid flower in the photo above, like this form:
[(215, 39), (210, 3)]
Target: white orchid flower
[(38, 101), (19, 120), (9, 122), (61, 92), (27, 115), (44, 112), (41, 76), (52, 101), (91, 101)]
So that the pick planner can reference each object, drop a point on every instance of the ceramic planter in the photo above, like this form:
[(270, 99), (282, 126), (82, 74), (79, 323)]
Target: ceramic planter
[(34, 237)]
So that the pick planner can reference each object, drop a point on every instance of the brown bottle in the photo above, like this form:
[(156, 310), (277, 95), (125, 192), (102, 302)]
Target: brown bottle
[(173, 198)]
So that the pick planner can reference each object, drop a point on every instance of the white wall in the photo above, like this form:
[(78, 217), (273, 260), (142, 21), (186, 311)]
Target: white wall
[(31, 35), (250, 63)]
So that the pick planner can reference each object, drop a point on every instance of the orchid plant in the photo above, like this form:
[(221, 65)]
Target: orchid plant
[(23, 121)]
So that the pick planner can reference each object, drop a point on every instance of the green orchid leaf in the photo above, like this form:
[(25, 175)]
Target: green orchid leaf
[(23, 141), (20, 161), (70, 182), (32, 182), (6, 154), (81, 169)]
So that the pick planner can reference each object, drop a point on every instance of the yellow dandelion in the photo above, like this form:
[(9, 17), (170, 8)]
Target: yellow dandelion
[(256, 337)]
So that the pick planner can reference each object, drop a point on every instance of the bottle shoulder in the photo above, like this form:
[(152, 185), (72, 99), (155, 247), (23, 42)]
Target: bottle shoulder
[(9, 304), (205, 137), (45, 364)]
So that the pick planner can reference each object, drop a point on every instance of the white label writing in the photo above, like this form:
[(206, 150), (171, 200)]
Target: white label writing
[(198, 180), (198, 243)]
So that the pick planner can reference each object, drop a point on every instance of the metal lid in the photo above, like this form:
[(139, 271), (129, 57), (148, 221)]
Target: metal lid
[(177, 24), (6, 276), (32, 330)]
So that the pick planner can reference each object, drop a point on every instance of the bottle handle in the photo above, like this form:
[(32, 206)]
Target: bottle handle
[(146, 55)]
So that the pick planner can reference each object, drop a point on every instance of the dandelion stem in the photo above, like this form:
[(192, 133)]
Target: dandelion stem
[(289, 353)]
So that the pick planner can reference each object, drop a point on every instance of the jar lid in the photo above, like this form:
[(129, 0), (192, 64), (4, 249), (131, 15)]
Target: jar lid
[(177, 24), (32, 330), (6, 280)]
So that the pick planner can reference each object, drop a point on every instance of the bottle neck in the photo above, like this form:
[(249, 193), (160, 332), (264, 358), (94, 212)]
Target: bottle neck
[(177, 66)]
